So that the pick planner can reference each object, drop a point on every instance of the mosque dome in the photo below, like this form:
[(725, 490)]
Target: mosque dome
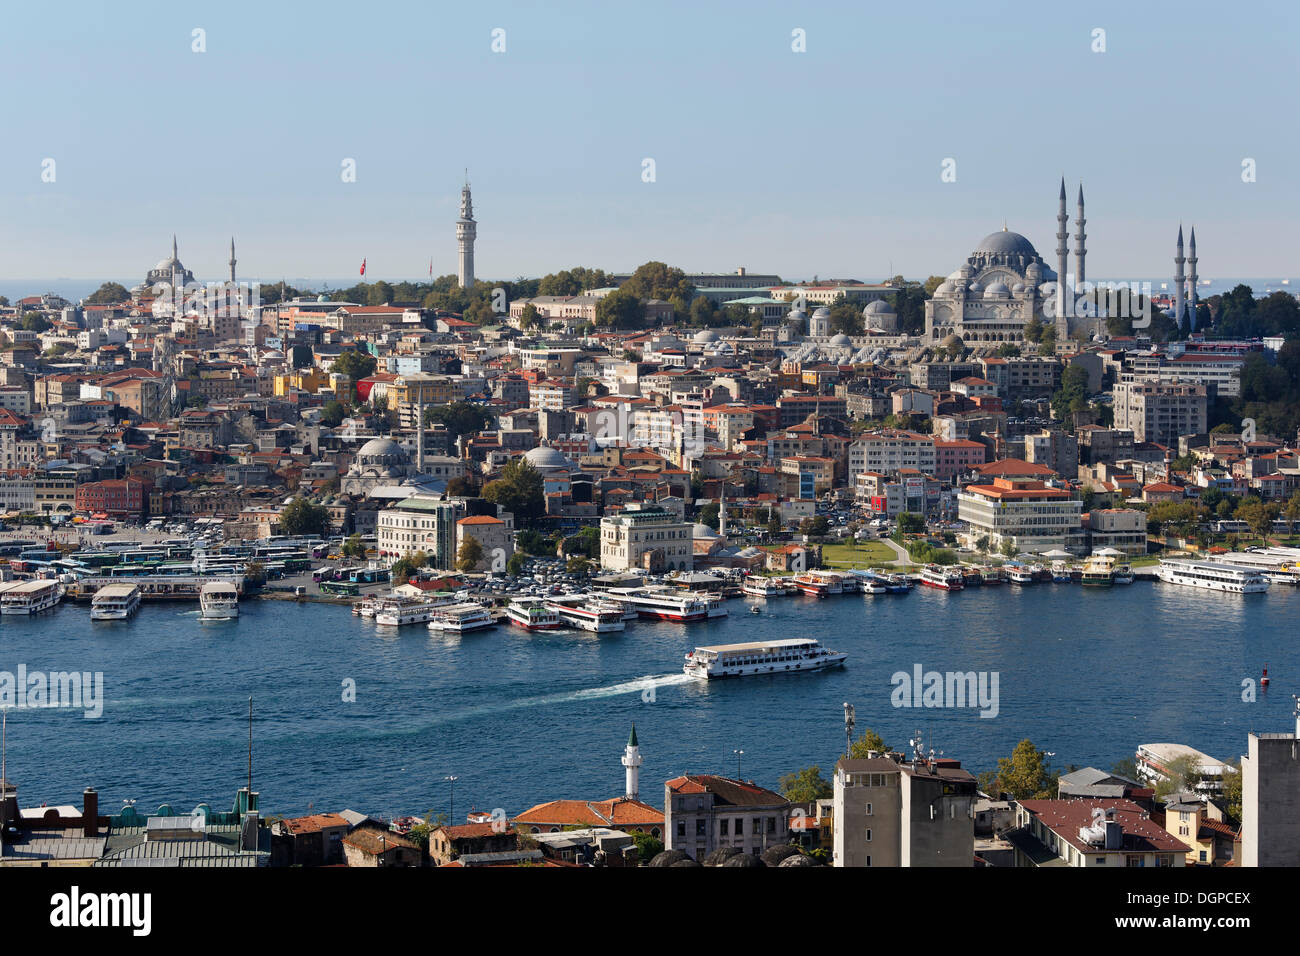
[(841, 340), (975, 287), (953, 341), (381, 449), (705, 336), (946, 287), (877, 307), (1018, 288), (699, 530), (821, 312), (997, 290), (544, 458), (796, 315), (1006, 243)]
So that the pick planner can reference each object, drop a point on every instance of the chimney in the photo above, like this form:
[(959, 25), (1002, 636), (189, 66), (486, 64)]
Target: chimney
[(90, 812)]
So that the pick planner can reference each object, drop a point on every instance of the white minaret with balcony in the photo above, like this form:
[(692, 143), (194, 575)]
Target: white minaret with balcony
[(466, 230), (632, 761)]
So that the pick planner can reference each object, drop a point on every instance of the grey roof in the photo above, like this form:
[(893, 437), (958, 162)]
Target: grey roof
[(1006, 242)]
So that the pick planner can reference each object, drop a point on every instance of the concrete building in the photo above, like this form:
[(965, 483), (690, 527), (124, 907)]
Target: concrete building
[(889, 449), (495, 536), (703, 812), (419, 523), (1160, 411), (1031, 516), (1270, 799), (645, 537), (1124, 529), (1091, 832), (891, 812)]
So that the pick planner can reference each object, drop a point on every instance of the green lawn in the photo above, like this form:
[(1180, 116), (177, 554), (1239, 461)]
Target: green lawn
[(864, 555)]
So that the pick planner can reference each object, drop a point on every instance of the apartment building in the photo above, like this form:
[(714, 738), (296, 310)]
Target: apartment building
[(1270, 799), (1096, 832), (890, 812), (889, 449), (1160, 411), (419, 523)]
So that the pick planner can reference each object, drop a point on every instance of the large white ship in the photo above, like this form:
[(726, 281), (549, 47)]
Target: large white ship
[(405, 611), (682, 607), (461, 618), (1212, 576), (533, 615), (31, 597), (760, 657), (115, 602), (586, 614), (219, 601), (945, 579)]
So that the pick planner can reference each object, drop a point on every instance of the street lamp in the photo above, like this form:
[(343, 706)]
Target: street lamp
[(451, 779), (739, 754), (850, 720)]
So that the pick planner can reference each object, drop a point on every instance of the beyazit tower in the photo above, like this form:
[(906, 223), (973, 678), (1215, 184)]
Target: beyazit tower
[(466, 230)]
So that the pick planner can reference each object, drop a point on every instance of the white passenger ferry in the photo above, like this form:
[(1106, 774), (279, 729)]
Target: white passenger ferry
[(461, 618), (760, 657), (682, 607), (533, 615), (758, 586), (820, 583), (597, 616), (405, 611), (31, 597), (1212, 576), (945, 579), (219, 601), (115, 602)]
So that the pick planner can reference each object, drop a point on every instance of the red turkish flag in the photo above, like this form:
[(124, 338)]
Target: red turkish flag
[(363, 266)]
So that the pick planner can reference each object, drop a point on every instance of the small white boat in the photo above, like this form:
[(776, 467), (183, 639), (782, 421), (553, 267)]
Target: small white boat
[(219, 601), (533, 615), (115, 602), (401, 612)]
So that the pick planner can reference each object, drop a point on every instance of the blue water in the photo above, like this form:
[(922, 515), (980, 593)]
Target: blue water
[(1088, 674)]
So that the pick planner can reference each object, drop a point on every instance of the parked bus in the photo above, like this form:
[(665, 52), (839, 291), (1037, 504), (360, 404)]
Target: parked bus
[(346, 588)]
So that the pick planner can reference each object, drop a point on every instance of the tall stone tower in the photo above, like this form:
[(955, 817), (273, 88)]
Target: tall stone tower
[(632, 761), (1179, 279), (466, 230), (1079, 237), (1191, 281), (1062, 265)]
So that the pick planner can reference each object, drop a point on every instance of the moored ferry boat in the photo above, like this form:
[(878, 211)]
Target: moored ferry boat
[(31, 597), (1019, 574), (682, 607), (219, 601), (461, 618), (1061, 572), (115, 602), (758, 586), (403, 611), (760, 657), (897, 583), (1098, 571), (1212, 576), (994, 574), (820, 583), (596, 616), (869, 583), (972, 578), (1123, 574), (945, 579), (533, 615)]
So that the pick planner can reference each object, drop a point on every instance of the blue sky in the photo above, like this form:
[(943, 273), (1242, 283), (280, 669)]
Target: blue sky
[(825, 162)]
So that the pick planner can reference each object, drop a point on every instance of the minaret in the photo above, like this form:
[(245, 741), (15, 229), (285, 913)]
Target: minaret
[(632, 761), (466, 230), (232, 260), (1062, 253), (1191, 281), (1179, 279), (1079, 237)]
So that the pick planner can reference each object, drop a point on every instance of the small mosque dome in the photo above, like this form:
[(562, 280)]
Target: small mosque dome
[(699, 530), (705, 337), (544, 457), (878, 307), (997, 290), (841, 340), (953, 341), (1018, 288), (975, 287)]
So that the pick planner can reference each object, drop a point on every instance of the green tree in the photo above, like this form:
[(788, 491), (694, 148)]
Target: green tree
[(302, 518), (1025, 774), (911, 523), (469, 555), (255, 574), (333, 413), (648, 846), (519, 490), (620, 309), (805, 786), (1232, 791), (515, 563), (529, 317), (459, 418), (407, 565), (354, 547), (1181, 773), (657, 280), (354, 364), (35, 322), (380, 293), (869, 741), (110, 293)]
